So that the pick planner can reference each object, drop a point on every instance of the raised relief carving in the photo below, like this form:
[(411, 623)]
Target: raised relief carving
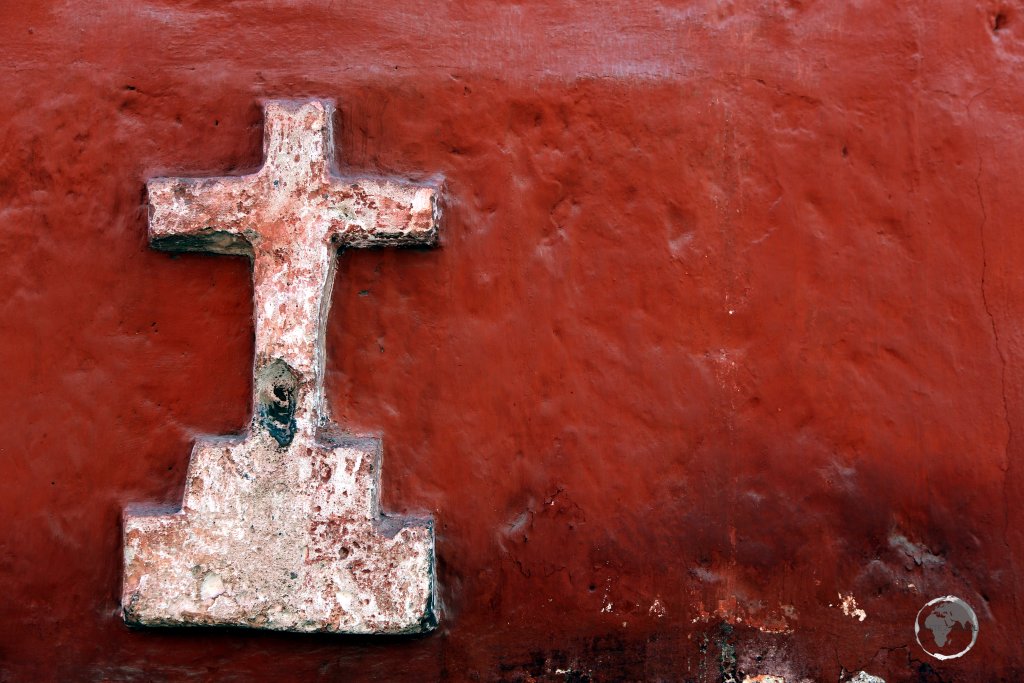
[(282, 529)]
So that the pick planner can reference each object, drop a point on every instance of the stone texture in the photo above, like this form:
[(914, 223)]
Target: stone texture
[(282, 529)]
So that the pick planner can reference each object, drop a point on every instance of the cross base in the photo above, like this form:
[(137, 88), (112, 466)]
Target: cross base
[(282, 539)]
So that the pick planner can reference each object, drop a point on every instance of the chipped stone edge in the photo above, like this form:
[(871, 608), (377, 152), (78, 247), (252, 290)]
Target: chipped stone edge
[(387, 525)]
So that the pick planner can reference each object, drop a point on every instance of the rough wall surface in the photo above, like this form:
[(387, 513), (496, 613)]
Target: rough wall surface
[(721, 351)]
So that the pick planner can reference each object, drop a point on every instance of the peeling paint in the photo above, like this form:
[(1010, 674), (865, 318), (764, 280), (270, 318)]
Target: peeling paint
[(864, 677), (849, 606), (916, 552), (769, 620)]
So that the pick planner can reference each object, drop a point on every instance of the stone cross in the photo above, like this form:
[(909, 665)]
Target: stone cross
[(282, 529)]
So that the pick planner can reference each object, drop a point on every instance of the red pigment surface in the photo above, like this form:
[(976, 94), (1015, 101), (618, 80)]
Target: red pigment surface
[(724, 327)]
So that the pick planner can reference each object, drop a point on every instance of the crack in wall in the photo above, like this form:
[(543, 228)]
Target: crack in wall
[(1005, 467)]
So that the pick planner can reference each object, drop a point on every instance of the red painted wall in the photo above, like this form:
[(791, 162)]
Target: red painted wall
[(725, 323)]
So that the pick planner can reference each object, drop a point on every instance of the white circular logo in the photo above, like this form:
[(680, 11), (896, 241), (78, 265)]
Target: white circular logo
[(946, 627)]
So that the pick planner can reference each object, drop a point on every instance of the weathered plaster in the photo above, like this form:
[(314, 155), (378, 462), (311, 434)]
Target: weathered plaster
[(282, 529)]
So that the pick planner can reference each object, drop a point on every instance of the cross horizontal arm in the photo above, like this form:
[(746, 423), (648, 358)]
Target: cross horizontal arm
[(381, 213), (201, 214)]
